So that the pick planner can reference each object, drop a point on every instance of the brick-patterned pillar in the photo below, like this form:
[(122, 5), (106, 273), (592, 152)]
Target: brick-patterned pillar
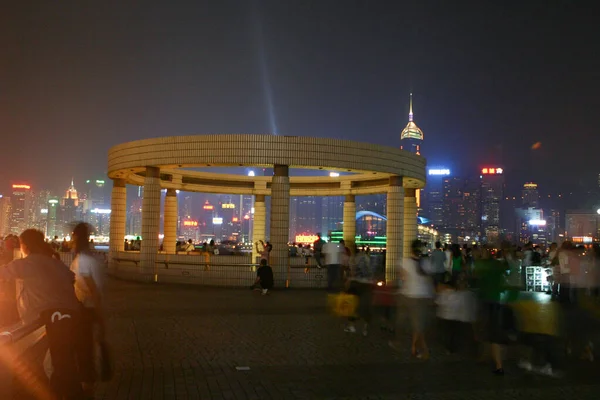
[(259, 224), (118, 216), (395, 228), (280, 223), (349, 232), (150, 223), (410, 219), (170, 240)]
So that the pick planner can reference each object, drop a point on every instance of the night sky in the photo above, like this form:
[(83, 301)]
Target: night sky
[(489, 80)]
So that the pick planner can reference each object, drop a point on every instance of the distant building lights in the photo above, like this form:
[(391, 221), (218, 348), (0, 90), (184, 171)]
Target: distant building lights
[(21, 187)]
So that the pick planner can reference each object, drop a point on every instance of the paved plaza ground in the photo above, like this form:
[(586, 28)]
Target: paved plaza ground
[(185, 342)]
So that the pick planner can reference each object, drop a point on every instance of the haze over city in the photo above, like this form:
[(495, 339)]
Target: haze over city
[(489, 81)]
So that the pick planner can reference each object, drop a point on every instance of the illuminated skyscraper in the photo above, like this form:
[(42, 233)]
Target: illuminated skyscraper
[(435, 196), (530, 195), (4, 215), (492, 192), (412, 136), (53, 224), (411, 139), (94, 194), (71, 194), (20, 208)]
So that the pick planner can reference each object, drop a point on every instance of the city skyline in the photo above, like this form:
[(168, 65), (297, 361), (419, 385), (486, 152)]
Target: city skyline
[(461, 203)]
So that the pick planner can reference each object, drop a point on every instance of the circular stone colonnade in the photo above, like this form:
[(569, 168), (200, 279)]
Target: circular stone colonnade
[(161, 163)]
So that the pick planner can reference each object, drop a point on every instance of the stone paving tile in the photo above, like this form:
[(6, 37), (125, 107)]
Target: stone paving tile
[(184, 342)]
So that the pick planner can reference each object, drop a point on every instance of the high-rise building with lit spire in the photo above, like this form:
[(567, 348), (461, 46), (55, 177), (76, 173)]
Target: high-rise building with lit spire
[(411, 137), (71, 194)]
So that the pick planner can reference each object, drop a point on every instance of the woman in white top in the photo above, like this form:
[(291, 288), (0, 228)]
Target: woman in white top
[(89, 283), (417, 290)]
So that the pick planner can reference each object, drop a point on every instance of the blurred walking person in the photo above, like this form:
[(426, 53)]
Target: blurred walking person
[(318, 250), (89, 285), (438, 264), (491, 280), (333, 253), (417, 293), (47, 293), (360, 283)]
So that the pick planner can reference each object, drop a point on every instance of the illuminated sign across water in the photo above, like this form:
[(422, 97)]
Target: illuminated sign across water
[(537, 222), (208, 207), (217, 221), (228, 205), (492, 171), (21, 187), (100, 211), (190, 223), (306, 238), (439, 172)]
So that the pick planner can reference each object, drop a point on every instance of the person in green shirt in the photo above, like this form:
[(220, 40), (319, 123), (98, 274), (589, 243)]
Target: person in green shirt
[(490, 275)]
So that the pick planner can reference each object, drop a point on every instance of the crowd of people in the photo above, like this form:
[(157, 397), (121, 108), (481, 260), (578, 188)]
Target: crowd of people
[(479, 299), (68, 300)]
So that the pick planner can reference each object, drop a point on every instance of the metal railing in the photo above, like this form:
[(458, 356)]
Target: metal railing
[(221, 270), (22, 351)]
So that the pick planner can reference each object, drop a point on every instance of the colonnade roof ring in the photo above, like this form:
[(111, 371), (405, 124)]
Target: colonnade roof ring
[(368, 166)]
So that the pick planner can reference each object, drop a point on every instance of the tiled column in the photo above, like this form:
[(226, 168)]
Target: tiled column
[(259, 223), (350, 221), (280, 222), (150, 223), (410, 219), (395, 228), (170, 240), (118, 214)]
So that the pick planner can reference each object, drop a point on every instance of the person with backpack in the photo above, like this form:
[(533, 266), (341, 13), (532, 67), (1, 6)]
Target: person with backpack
[(47, 295)]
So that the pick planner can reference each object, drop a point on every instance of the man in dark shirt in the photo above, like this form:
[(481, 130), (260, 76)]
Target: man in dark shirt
[(264, 277)]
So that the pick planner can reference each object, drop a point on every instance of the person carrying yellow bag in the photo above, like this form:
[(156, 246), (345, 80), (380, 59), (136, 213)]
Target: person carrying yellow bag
[(538, 322)]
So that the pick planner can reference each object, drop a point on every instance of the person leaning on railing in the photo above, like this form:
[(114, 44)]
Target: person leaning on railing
[(47, 294)]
